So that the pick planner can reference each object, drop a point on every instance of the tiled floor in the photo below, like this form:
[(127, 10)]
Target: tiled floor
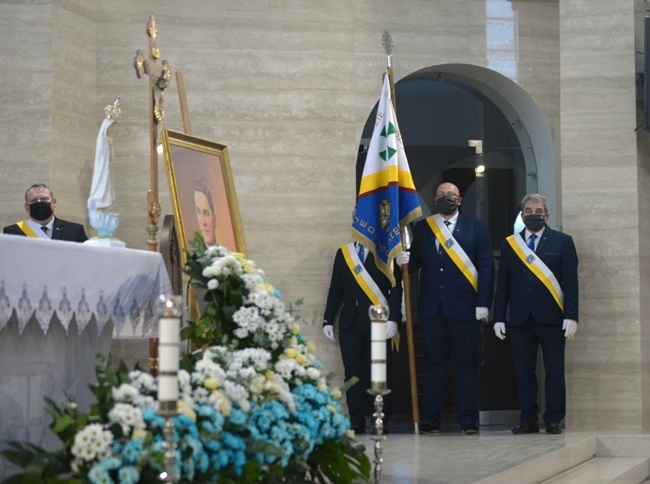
[(451, 457)]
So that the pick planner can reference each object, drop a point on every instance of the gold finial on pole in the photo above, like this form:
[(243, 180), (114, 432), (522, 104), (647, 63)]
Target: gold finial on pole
[(159, 75)]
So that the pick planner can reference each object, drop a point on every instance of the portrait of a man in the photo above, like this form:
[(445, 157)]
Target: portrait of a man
[(205, 216), (203, 192)]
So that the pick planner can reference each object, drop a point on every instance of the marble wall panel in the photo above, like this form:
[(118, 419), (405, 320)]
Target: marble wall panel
[(597, 123)]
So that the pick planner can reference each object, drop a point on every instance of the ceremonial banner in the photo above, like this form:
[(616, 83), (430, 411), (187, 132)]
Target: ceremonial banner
[(387, 198)]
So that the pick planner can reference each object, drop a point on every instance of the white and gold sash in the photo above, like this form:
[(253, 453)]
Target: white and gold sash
[(29, 232), (453, 249), (363, 278), (537, 267)]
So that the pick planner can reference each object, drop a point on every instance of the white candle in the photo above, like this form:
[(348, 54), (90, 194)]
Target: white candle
[(378, 352), (169, 330), (168, 354), (167, 388)]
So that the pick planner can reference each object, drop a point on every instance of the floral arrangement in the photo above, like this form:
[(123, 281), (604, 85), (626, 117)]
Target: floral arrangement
[(254, 404)]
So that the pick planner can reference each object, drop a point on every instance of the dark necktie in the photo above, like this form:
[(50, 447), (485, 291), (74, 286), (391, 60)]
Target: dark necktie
[(44, 229), (361, 251), (531, 242), (448, 224)]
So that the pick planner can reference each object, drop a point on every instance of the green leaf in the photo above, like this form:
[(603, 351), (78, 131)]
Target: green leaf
[(62, 423)]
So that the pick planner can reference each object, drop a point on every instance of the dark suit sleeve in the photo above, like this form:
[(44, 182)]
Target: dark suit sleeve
[(395, 297), (570, 279), (335, 294), (81, 234), (13, 230), (484, 267), (503, 289)]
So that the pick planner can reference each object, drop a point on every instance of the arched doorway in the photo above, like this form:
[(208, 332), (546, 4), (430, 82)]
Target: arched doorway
[(476, 128)]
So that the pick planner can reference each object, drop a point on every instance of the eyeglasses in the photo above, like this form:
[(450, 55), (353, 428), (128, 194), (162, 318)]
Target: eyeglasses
[(451, 195)]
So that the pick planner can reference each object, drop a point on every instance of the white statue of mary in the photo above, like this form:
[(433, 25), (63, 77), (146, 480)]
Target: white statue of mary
[(102, 193)]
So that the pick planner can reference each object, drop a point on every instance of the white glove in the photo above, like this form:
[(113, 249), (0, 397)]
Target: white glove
[(391, 329), (570, 327), (403, 258), (500, 330), (481, 313), (328, 331)]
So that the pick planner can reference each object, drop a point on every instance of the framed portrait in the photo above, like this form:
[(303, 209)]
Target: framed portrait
[(202, 191)]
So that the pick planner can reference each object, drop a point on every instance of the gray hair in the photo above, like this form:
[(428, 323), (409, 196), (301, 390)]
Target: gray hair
[(535, 198)]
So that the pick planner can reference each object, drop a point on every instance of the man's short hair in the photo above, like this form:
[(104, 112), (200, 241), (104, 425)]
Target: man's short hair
[(535, 198), (39, 185), (203, 188)]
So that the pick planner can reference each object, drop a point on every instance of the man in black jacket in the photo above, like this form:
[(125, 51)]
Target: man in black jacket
[(352, 264), (41, 223), (537, 303)]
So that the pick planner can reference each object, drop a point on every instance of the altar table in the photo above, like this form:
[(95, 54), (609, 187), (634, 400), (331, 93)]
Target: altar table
[(61, 303)]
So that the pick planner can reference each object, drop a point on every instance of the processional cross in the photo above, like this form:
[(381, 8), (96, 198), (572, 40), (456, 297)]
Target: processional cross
[(159, 75)]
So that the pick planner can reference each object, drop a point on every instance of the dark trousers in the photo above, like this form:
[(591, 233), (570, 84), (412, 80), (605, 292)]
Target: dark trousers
[(355, 350), (443, 339), (525, 340)]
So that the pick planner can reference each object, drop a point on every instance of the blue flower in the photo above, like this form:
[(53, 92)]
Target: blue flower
[(131, 451), (128, 475)]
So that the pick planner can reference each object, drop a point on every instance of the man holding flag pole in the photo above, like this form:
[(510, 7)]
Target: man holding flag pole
[(387, 200)]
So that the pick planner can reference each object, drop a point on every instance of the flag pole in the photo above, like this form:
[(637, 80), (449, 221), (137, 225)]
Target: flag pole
[(387, 42)]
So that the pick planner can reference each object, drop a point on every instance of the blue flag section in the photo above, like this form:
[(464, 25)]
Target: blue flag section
[(387, 198)]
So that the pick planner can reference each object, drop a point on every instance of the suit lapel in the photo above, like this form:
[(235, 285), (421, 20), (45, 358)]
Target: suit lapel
[(57, 231), (546, 236)]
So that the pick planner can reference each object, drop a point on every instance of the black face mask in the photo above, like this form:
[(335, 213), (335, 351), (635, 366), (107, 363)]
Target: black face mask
[(40, 210), (534, 222), (446, 205)]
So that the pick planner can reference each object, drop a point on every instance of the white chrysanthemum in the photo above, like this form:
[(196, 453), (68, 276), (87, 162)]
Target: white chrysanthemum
[(237, 393), (201, 395), (213, 284), (289, 368), (89, 442), (263, 300), (251, 281), (248, 318), (127, 416)]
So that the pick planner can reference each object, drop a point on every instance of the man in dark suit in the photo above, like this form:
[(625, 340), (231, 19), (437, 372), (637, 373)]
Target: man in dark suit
[(345, 293), (538, 282), (454, 256), (40, 204)]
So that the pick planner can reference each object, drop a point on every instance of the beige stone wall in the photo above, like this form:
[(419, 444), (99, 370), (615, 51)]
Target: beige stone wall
[(287, 86), (599, 191)]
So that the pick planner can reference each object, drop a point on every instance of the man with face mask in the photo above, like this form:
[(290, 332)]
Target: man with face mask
[(538, 282), (40, 204), (453, 253)]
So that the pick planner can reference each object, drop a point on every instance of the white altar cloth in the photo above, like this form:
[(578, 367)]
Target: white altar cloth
[(61, 303), (42, 278)]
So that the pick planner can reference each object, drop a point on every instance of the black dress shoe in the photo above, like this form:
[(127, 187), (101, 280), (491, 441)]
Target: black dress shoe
[(469, 428), (359, 428), (526, 428), (428, 428), (553, 428)]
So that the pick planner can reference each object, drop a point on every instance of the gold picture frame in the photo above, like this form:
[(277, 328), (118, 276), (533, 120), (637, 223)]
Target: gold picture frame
[(200, 181)]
